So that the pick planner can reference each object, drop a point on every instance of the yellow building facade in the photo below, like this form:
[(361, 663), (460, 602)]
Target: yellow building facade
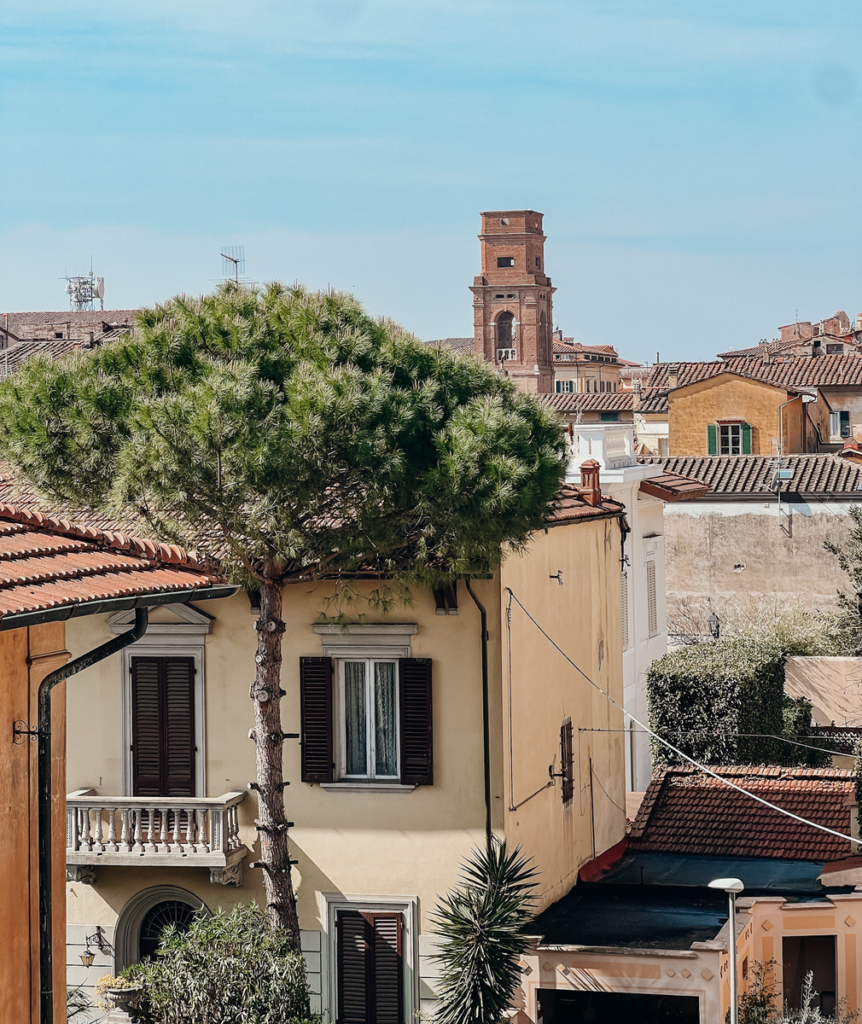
[(732, 415), (374, 846)]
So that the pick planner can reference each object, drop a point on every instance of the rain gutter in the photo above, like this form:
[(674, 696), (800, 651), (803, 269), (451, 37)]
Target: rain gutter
[(141, 604)]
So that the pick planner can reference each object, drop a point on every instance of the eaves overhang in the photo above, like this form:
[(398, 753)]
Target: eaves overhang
[(64, 612)]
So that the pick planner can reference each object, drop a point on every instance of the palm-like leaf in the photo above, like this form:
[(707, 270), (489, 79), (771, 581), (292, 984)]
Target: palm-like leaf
[(481, 939)]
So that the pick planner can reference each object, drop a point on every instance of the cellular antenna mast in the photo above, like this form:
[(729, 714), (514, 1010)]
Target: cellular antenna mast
[(84, 289), (232, 261)]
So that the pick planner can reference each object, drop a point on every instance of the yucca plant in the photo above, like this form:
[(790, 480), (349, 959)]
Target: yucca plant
[(479, 925)]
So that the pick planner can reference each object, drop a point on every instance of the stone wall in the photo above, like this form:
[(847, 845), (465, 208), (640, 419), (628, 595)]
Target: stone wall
[(733, 550)]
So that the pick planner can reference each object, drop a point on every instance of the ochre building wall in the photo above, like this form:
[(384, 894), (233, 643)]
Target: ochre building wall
[(546, 689), (694, 407), (27, 655)]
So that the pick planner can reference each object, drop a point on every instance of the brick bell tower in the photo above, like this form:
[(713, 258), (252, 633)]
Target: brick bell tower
[(512, 300)]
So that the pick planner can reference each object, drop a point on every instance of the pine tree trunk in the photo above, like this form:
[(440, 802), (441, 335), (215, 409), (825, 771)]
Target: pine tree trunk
[(269, 740)]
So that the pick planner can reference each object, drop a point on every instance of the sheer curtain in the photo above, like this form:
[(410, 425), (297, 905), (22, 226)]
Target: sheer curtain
[(385, 711), (355, 717)]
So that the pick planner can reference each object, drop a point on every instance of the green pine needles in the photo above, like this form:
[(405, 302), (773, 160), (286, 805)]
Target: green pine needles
[(480, 936), (294, 435)]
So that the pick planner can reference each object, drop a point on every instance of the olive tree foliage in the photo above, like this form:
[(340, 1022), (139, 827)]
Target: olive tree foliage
[(226, 969), (295, 438), (757, 1005)]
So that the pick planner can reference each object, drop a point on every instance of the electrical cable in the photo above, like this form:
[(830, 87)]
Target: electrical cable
[(737, 735), (676, 750)]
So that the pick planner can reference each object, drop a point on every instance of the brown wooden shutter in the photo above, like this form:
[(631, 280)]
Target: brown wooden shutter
[(146, 728), (417, 746), (387, 971), (178, 775), (567, 758), (315, 693), (163, 727), (352, 966), (370, 968)]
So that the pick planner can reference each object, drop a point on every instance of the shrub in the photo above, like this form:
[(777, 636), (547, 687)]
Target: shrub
[(227, 969), (703, 696), (481, 941)]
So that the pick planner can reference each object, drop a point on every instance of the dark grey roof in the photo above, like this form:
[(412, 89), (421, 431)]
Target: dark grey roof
[(729, 476), (661, 901)]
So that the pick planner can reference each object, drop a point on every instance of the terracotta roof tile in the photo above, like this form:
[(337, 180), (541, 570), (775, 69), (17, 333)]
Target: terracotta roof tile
[(799, 371), (50, 563), (752, 475), (570, 506), (609, 401), (686, 811)]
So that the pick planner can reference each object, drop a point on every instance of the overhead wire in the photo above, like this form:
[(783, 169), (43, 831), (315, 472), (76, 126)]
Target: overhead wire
[(742, 735), (670, 746)]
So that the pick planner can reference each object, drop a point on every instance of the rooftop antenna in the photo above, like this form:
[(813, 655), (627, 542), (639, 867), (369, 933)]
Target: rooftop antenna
[(84, 289), (232, 261)]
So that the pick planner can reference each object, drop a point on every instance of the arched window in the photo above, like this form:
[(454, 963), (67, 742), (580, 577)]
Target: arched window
[(506, 330), (145, 917)]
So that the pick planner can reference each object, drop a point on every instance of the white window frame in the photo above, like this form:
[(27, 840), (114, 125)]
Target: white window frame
[(185, 639), (407, 906), (362, 641), (370, 724), (731, 443)]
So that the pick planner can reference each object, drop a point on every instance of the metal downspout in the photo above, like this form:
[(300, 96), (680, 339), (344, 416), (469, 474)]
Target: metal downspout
[(486, 716), (46, 922)]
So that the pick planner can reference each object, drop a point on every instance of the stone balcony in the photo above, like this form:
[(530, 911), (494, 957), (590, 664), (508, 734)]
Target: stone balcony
[(171, 832)]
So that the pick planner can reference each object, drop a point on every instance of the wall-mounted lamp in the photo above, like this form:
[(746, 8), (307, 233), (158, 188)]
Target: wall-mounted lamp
[(98, 940), (558, 576), (714, 624)]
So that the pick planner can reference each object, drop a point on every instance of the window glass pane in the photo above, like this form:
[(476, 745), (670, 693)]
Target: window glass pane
[(355, 718), (386, 757)]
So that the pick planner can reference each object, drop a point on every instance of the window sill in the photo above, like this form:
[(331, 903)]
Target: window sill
[(368, 787)]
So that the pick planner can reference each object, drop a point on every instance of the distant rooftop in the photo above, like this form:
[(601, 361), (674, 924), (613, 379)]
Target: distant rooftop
[(686, 811), (751, 476)]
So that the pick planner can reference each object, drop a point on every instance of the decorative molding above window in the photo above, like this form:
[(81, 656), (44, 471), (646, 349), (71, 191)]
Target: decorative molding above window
[(365, 639), (194, 622)]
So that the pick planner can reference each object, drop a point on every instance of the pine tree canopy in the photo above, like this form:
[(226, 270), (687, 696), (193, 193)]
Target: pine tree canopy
[(292, 434)]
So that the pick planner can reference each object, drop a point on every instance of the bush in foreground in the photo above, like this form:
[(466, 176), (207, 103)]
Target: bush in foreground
[(227, 969)]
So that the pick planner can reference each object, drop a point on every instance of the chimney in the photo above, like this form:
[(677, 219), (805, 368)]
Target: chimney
[(859, 321), (673, 375), (591, 491), (767, 355), (637, 387)]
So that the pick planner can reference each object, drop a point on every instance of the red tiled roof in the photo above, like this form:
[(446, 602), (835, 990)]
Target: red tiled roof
[(576, 348), (673, 487), (799, 371), (573, 401), (570, 506), (47, 563), (61, 317), (457, 344), (653, 400), (686, 811), (753, 475), (12, 358)]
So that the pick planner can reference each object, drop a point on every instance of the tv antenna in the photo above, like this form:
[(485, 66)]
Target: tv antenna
[(232, 261), (84, 289)]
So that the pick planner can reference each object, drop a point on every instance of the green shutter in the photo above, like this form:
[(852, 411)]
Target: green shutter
[(712, 439), (746, 439)]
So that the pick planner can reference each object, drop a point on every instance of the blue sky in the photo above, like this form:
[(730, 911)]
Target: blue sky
[(698, 162)]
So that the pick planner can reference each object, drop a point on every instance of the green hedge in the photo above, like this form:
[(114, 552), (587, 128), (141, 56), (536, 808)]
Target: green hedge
[(702, 697)]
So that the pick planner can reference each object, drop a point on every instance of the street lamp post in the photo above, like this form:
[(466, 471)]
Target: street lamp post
[(731, 886)]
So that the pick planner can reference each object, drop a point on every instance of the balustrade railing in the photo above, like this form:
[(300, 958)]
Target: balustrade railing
[(114, 827)]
